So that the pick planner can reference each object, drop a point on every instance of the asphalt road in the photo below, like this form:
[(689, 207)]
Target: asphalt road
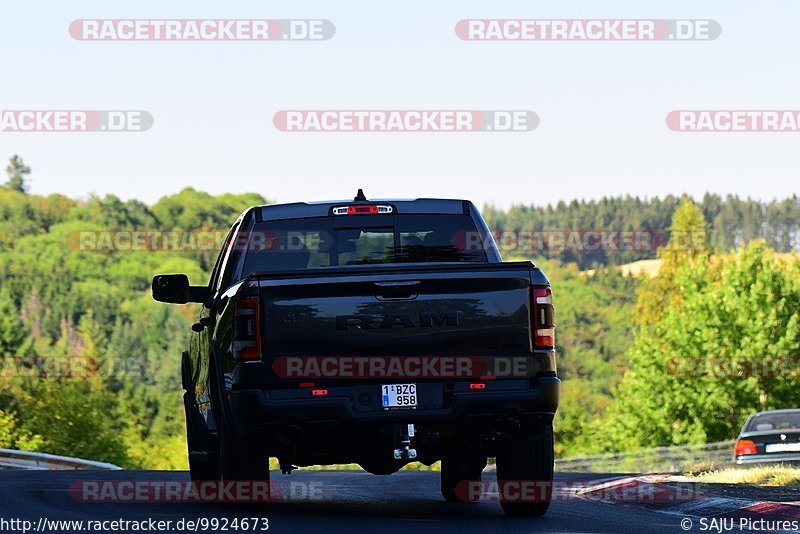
[(408, 502)]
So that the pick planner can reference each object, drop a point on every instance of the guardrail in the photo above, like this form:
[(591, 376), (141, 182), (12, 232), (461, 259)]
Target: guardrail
[(663, 459), (11, 459)]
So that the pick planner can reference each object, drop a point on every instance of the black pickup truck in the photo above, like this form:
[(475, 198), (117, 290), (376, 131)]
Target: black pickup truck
[(371, 332)]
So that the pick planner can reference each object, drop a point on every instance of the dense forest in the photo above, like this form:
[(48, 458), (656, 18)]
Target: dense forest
[(92, 313), (732, 222), (616, 334)]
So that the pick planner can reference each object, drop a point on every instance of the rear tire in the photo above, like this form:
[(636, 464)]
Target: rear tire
[(203, 466), (237, 463), (203, 463), (460, 469), (234, 462), (527, 458)]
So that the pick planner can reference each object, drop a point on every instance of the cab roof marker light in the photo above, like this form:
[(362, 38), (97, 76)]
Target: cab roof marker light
[(368, 209)]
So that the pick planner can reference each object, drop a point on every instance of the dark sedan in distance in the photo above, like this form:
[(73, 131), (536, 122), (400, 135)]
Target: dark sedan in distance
[(771, 436)]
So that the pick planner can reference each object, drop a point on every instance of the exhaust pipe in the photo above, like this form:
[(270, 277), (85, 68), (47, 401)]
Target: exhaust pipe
[(509, 427)]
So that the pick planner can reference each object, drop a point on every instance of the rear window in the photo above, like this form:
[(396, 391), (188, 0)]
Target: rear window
[(764, 422), (359, 240)]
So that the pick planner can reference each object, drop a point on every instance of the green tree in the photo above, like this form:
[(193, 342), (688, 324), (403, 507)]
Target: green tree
[(686, 383), (593, 317), (14, 437), (59, 299), (74, 418), (16, 172), (687, 243), (12, 333)]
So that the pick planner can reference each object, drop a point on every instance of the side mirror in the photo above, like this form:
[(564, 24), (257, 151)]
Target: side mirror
[(175, 289)]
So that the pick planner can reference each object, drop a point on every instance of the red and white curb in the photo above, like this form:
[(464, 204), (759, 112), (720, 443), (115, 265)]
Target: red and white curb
[(680, 498)]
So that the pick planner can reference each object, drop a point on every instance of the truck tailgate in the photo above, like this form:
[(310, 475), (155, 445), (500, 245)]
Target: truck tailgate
[(432, 310)]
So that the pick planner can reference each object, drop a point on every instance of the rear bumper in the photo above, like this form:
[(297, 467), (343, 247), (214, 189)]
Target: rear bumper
[(252, 410), (750, 459)]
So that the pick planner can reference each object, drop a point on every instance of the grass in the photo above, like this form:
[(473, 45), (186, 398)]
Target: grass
[(637, 268), (767, 475), (413, 466)]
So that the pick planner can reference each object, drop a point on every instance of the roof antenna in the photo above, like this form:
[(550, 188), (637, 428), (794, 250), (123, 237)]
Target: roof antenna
[(360, 196)]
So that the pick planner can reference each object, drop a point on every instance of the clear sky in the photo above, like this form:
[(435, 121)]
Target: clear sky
[(602, 104)]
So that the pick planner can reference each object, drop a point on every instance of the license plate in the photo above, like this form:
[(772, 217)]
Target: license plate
[(783, 447), (399, 396)]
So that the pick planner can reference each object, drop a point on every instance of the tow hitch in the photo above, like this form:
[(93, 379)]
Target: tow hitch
[(404, 437)]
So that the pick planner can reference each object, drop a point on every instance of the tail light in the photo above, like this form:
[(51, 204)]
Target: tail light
[(745, 447), (544, 331), (246, 330)]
